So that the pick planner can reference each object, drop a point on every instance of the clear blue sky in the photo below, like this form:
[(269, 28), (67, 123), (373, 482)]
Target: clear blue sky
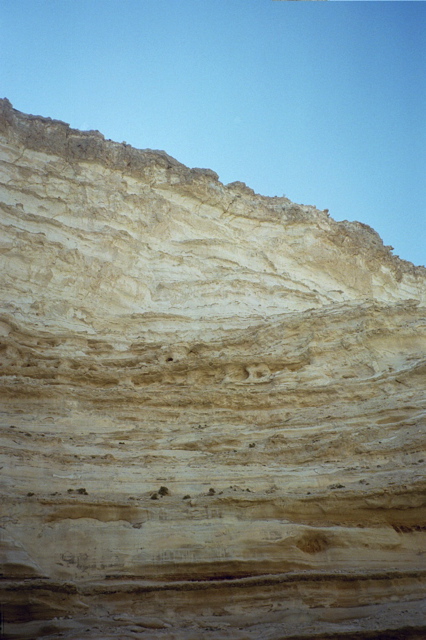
[(324, 102)]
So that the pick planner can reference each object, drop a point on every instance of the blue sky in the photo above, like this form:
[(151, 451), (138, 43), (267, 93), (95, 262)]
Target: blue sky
[(324, 102)]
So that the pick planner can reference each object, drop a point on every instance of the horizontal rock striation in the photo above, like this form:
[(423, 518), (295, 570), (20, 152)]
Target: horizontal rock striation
[(212, 405)]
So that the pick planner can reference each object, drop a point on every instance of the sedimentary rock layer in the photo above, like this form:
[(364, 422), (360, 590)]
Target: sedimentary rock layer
[(212, 405)]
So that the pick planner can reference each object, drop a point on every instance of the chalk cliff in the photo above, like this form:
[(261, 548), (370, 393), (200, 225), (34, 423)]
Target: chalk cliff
[(212, 405)]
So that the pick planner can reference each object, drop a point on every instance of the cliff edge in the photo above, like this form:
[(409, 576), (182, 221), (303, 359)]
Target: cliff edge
[(212, 405)]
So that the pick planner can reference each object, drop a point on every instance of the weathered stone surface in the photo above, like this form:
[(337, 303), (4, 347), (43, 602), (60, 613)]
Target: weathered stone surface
[(212, 405)]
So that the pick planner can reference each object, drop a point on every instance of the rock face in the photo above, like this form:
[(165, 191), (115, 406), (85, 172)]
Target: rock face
[(212, 405)]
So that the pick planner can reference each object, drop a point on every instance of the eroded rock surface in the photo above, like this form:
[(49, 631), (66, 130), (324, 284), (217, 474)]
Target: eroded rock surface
[(212, 405)]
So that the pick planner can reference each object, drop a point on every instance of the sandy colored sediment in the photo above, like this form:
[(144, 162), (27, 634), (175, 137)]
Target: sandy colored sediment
[(261, 362)]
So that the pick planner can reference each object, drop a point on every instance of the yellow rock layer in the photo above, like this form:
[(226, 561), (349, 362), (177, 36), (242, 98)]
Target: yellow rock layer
[(212, 405)]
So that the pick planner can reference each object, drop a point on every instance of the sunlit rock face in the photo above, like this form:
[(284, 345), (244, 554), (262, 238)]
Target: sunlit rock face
[(212, 405)]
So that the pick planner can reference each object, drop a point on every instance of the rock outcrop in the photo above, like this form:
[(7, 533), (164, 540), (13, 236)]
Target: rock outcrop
[(212, 405)]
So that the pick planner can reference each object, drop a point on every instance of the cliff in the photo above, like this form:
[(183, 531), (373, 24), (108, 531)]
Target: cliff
[(212, 405)]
